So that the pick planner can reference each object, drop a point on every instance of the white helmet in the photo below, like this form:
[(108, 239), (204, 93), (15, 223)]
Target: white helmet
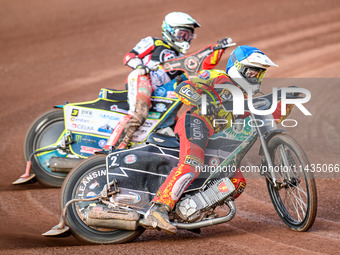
[(247, 67), (178, 30)]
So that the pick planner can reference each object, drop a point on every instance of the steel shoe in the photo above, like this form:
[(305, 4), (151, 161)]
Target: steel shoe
[(157, 217)]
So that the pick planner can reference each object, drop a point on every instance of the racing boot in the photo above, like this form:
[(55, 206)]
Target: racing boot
[(137, 120), (158, 217)]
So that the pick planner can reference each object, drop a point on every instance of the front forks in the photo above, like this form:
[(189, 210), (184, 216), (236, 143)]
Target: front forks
[(271, 178)]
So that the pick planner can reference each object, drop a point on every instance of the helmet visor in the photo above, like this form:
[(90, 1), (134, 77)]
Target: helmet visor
[(183, 34), (253, 74)]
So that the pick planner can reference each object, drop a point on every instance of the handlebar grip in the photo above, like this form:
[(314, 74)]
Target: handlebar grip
[(223, 47), (155, 67), (178, 79)]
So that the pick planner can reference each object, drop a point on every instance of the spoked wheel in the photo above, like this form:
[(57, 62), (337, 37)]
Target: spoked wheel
[(295, 197), (44, 132), (85, 181)]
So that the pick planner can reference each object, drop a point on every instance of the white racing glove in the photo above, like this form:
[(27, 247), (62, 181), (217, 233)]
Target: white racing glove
[(143, 70), (224, 42)]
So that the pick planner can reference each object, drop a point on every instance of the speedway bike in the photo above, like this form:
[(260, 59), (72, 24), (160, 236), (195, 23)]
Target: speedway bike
[(104, 198), (61, 138)]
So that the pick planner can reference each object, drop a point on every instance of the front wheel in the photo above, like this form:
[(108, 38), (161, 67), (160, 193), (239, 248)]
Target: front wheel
[(295, 197), (85, 181), (45, 132)]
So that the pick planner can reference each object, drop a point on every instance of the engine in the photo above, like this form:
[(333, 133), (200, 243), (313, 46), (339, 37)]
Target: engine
[(193, 207)]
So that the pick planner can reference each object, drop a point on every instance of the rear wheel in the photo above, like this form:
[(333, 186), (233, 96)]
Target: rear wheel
[(44, 132), (295, 198), (84, 181)]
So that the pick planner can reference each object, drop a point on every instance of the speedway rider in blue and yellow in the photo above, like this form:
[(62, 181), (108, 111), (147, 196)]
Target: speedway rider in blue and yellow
[(178, 31), (245, 69)]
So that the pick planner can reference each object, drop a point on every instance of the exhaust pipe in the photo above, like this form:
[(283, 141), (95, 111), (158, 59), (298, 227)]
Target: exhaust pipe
[(63, 165), (113, 219), (128, 220), (209, 222)]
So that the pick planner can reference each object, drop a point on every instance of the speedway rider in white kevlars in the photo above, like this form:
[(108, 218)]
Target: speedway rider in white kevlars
[(178, 31)]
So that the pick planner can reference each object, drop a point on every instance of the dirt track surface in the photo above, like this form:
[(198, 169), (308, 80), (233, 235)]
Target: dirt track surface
[(57, 51)]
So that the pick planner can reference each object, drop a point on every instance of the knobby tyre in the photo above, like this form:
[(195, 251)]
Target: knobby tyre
[(295, 200), (43, 132), (86, 180)]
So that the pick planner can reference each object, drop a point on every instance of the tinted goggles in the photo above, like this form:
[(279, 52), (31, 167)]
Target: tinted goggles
[(252, 74), (183, 34)]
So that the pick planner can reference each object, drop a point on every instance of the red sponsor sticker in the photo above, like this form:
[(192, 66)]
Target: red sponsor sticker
[(130, 159), (223, 188), (89, 150), (214, 161)]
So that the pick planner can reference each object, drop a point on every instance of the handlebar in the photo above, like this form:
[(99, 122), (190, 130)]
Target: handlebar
[(223, 47), (190, 64), (261, 102), (155, 67)]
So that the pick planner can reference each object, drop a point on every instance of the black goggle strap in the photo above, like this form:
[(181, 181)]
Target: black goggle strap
[(238, 65)]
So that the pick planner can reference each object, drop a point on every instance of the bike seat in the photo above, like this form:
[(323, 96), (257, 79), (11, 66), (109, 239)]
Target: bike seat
[(163, 140)]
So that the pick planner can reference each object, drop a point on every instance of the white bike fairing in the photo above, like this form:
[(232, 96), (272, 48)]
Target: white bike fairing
[(99, 122)]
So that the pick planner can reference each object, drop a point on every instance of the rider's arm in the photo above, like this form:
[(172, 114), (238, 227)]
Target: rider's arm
[(187, 93), (190, 91), (278, 117), (134, 58)]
